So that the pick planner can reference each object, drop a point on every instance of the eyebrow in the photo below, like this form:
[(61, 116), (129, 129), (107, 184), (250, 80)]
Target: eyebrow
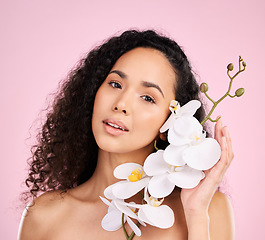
[(120, 73), (144, 83), (150, 84)]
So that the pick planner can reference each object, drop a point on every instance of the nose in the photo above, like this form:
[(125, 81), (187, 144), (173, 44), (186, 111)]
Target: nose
[(123, 110), (123, 104)]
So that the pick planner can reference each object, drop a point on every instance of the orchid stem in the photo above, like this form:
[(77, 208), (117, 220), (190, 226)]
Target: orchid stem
[(133, 233), (215, 103), (125, 232), (123, 227), (156, 148), (141, 194), (209, 98)]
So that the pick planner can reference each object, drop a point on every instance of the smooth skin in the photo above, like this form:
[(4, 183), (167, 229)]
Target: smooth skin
[(130, 96)]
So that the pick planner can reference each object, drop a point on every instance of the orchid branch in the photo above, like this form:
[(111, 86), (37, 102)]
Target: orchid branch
[(123, 224), (123, 227), (133, 233), (238, 93), (125, 232)]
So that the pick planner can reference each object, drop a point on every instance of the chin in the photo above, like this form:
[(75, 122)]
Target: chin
[(114, 149), (111, 146), (121, 148)]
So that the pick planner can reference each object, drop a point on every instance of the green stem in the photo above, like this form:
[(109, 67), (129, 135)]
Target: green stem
[(141, 194), (156, 148), (215, 119), (123, 224), (133, 233), (231, 96), (215, 103), (123, 227), (208, 117), (209, 98), (125, 232)]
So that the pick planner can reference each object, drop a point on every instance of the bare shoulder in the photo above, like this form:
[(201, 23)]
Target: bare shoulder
[(221, 217), (39, 215), (220, 206)]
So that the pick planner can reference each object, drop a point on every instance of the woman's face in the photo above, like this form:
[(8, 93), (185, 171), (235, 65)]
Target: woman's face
[(133, 102)]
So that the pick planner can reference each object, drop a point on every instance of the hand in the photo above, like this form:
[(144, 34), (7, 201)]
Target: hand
[(197, 200)]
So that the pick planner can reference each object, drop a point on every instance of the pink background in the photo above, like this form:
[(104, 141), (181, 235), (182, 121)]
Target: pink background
[(42, 40)]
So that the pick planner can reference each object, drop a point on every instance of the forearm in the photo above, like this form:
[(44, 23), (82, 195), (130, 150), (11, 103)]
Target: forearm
[(198, 225)]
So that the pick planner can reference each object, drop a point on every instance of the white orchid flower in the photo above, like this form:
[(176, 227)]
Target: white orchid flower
[(134, 180), (189, 145), (165, 176), (112, 221), (156, 214), (188, 109)]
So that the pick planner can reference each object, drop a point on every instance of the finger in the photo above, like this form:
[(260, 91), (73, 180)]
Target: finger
[(223, 145), (218, 132), (229, 144), (219, 169)]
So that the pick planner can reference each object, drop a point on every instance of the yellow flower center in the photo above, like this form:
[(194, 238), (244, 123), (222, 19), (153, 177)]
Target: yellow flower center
[(155, 202), (175, 168), (136, 175), (133, 209), (172, 168), (174, 106), (197, 138)]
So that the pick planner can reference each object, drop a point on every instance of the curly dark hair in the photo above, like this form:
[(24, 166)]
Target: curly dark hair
[(66, 153)]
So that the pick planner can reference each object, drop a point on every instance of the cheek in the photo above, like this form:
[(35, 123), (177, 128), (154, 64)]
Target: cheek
[(100, 101), (99, 96), (151, 121), (97, 109)]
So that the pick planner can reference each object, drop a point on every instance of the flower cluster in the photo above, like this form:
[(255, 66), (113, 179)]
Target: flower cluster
[(133, 180), (181, 164)]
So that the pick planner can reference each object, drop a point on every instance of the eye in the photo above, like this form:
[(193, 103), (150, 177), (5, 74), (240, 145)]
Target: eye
[(148, 99), (114, 84)]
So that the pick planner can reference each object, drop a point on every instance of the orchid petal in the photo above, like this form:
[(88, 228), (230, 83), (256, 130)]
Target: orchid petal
[(105, 201), (111, 207), (160, 186), (173, 155), (143, 217), (133, 205), (146, 195), (126, 189), (162, 216), (190, 108), (121, 206), (124, 170), (168, 124), (177, 139), (108, 192), (155, 164), (134, 227), (203, 156), (130, 204), (187, 126), (187, 177), (112, 221)]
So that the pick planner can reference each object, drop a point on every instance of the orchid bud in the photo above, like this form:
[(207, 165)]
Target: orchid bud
[(244, 64), (239, 92), (204, 87), (230, 67)]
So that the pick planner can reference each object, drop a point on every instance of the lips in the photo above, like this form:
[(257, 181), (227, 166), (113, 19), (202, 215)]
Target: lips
[(114, 126)]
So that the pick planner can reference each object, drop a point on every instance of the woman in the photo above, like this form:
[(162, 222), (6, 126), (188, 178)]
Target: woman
[(109, 112)]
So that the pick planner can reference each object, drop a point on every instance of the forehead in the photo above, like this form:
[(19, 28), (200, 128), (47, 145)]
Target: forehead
[(148, 64)]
